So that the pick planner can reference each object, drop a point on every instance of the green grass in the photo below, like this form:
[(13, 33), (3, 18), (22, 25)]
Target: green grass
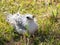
[(49, 26)]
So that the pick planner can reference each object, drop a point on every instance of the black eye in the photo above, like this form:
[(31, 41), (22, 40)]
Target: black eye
[(27, 17)]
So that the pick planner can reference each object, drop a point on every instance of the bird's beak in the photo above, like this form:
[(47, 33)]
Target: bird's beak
[(33, 16)]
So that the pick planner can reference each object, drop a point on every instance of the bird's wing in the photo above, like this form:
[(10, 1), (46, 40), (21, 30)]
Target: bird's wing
[(20, 28)]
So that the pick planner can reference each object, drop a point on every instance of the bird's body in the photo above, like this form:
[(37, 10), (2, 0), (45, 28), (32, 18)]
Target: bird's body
[(31, 25)]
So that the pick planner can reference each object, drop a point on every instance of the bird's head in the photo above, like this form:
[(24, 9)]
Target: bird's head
[(29, 17)]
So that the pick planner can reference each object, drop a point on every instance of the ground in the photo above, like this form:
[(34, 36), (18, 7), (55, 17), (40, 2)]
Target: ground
[(48, 18)]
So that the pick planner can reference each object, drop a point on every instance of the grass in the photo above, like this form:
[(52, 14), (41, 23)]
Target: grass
[(49, 26)]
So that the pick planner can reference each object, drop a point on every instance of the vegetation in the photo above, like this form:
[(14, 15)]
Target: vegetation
[(47, 13)]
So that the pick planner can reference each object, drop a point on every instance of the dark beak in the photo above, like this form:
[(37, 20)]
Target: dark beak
[(33, 16)]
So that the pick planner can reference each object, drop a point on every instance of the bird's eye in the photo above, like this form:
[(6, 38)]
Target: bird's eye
[(27, 17)]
